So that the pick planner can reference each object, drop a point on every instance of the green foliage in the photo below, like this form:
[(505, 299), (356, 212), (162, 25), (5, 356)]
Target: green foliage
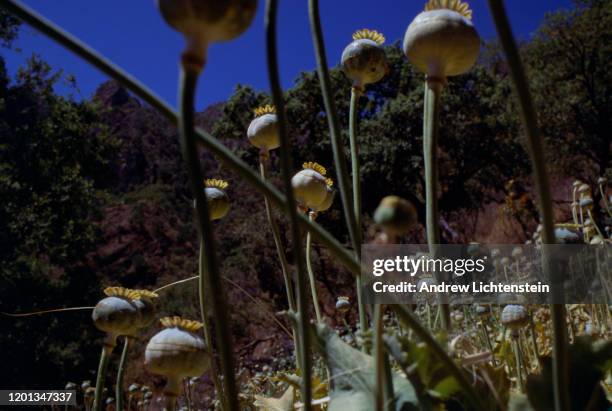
[(54, 155), (353, 375), (571, 76), (9, 28), (479, 149)]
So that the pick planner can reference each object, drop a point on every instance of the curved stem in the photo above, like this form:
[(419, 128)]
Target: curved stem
[(206, 327), (334, 128), (536, 151), (54, 310), (209, 276), (277, 239), (286, 167), (96, 59), (313, 286), (356, 172), (282, 257), (120, 372), (411, 321), (102, 367), (431, 119)]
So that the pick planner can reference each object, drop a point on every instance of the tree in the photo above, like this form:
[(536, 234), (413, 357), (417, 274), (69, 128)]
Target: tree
[(570, 61), (479, 151), (54, 155)]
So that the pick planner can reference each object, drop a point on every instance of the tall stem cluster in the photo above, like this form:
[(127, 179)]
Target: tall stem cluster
[(286, 167), (282, 257), (540, 175), (210, 278)]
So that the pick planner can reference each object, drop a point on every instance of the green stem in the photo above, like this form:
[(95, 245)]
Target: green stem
[(485, 332), (209, 277), (411, 321), (334, 128), (518, 365), (102, 367), (389, 390), (121, 372), (282, 257), (205, 322), (241, 168), (431, 122), (313, 287), (536, 151), (355, 166), (286, 168), (379, 354), (171, 392)]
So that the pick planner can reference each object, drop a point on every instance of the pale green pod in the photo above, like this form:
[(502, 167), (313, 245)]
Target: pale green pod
[(364, 60), (442, 41), (205, 21), (310, 187), (395, 215), (565, 236), (124, 311), (263, 132), (218, 202), (343, 304), (116, 316), (327, 203), (177, 351), (514, 316)]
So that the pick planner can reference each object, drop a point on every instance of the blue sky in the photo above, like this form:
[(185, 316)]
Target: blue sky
[(133, 35)]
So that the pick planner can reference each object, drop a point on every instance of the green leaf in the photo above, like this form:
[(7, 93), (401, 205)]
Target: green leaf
[(353, 377)]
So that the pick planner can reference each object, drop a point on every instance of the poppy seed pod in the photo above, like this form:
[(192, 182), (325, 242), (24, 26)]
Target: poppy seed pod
[(587, 203), (311, 186), (205, 21), (364, 60), (123, 312), (177, 352), (565, 236), (514, 316), (343, 304), (584, 189), (329, 198), (483, 311), (218, 201), (442, 41), (263, 130), (395, 215)]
